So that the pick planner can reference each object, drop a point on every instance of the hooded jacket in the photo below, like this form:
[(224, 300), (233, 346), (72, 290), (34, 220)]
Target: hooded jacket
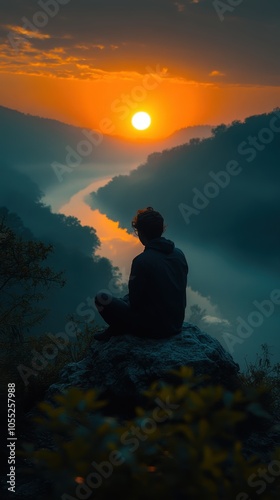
[(157, 287)]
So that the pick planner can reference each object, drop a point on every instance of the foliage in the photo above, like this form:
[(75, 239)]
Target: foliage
[(23, 280), (83, 338), (194, 141), (219, 130), (24, 352), (183, 444), (265, 375)]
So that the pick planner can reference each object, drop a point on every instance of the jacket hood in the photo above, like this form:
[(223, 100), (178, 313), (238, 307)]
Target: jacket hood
[(161, 245)]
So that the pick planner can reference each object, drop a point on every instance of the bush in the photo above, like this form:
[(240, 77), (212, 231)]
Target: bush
[(266, 376), (185, 443), (32, 383)]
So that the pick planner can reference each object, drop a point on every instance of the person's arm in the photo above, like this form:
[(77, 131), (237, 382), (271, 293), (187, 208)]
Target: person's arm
[(137, 284)]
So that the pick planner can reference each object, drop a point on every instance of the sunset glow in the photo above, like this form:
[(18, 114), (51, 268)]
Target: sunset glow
[(141, 120)]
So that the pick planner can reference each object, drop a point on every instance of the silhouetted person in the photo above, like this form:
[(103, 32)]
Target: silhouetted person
[(156, 303)]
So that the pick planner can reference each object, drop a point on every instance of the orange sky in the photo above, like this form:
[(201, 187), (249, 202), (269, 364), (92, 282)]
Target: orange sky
[(108, 103)]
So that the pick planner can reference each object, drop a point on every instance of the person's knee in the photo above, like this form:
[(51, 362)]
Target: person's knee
[(103, 299)]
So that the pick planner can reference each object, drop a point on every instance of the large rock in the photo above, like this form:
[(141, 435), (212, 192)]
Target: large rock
[(125, 365)]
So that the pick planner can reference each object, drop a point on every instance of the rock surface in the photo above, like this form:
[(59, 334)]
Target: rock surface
[(124, 366)]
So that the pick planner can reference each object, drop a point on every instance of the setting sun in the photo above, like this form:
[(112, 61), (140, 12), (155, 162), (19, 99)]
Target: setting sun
[(141, 120)]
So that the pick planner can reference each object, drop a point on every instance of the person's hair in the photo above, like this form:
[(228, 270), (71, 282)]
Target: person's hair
[(149, 222)]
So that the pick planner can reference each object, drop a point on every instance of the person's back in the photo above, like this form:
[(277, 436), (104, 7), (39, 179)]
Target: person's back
[(157, 286)]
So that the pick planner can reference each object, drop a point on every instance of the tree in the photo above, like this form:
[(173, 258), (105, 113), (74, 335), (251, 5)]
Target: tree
[(194, 141), (24, 279), (219, 130)]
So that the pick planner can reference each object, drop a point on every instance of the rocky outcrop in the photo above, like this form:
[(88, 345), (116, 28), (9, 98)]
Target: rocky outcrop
[(125, 365)]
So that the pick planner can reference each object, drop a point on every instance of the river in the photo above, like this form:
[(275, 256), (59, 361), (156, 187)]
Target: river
[(116, 243)]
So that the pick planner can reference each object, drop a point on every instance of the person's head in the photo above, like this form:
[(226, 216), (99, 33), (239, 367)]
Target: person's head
[(148, 224)]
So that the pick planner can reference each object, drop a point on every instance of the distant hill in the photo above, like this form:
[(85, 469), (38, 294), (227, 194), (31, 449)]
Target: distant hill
[(184, 135), (32, 145)]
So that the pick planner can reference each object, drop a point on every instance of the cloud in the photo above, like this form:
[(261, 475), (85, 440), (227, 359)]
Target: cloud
[(216, 73), (77, 62), (213, 320), (18, 32), (180, 6), (134, 34)]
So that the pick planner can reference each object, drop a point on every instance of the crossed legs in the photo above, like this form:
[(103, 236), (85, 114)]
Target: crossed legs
[(116, 312)]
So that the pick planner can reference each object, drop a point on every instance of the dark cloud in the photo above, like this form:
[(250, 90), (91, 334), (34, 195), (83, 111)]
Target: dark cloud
[(192, 43)]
